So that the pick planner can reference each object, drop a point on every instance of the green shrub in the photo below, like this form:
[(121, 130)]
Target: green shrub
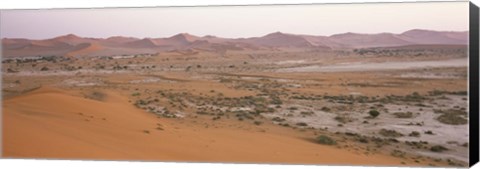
[(302, 124), (452, 118), (429, 132), (414, 134), (373, 113), (390, 133), (278, 119), (438, 148), (326, 109), (403, 115), (322, 139)]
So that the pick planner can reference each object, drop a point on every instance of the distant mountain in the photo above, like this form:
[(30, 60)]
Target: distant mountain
[(355, 40), (72, 45), (279, 39), (418, 36)]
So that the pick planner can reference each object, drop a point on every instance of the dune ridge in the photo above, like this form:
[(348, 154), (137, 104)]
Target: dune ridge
[(67, 45)]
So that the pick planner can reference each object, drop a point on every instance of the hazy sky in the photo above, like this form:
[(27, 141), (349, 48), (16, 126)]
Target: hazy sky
[(235, 21)]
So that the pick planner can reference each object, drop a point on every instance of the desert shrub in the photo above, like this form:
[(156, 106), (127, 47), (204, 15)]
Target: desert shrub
[(398, 153), (276, 101), (390, 133), (301, 124), (403, 115), (257, 123), (429, 132), (416, 144), (373, 113), (343, 119), (293, 108), (362, 139), (326, 109), (322, 139), (202, 112), (414, 134), (351, 134), (278, 119), (140, 103), (438, 148), (44, 68), (414, 97), (97, 96), (452, 117), (307, 113)]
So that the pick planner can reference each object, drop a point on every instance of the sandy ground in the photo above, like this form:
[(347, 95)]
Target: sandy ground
[(51, 123), (209, 108)]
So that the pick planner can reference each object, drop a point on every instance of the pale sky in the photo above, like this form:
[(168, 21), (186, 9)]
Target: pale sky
[(235, 21)]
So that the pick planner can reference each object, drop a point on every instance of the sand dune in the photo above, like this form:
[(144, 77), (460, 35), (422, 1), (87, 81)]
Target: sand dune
[(84, 49), (356, 40), (52, 123), (64, 45)]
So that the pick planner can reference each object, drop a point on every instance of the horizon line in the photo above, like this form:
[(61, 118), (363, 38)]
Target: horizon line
[(126, 36)]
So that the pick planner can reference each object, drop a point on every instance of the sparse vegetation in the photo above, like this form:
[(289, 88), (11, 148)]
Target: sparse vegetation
[(438, 148), (403, 114), (323, 139), (414, 134), (452, 117), (390, 133), (373, 113), (301, 124)]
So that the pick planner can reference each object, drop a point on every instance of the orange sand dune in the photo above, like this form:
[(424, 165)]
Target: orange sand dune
[(84, 49), (51, 123)]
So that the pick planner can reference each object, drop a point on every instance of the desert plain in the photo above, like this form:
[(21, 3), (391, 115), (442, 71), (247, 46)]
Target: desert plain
[(347, 99)]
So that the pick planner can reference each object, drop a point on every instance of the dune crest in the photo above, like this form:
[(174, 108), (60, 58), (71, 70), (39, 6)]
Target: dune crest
[(72, 45)]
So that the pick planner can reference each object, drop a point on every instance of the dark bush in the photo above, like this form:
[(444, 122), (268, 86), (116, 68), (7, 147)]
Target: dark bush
[(438, 148), (373, 113), (403, 115), (390, 133), (322, 139), (302, 124), (414, 134)]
